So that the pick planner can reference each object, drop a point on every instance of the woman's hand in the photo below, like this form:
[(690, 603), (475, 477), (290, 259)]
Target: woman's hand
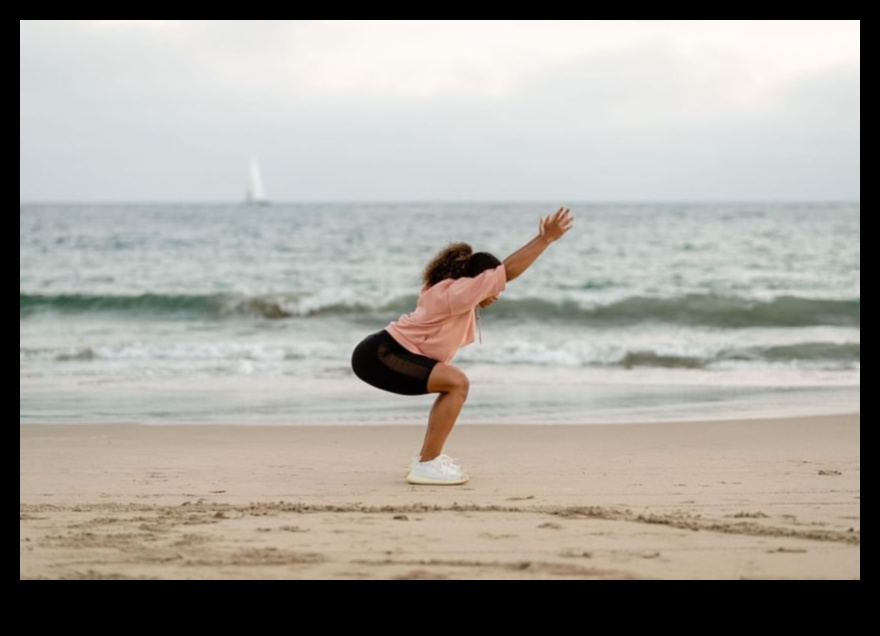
[(553, 227)]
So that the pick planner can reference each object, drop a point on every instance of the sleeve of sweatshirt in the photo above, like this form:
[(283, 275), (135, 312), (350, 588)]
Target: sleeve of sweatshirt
[(466, 293)]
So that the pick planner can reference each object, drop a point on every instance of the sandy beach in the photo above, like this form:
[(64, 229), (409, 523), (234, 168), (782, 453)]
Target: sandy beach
[(762, 499)]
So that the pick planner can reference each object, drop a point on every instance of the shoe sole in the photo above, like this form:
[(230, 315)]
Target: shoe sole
[(424, 481)]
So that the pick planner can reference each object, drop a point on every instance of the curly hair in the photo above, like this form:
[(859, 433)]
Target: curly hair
[(457, 260)]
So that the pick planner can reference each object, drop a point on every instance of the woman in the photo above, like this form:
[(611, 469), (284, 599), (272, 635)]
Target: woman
[(413, 355)]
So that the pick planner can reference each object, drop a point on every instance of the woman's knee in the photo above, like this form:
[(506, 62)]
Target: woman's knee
[(448, 379), (463, 385)]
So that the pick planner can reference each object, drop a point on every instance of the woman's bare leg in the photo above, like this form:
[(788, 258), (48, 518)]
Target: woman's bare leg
[(453, 386)]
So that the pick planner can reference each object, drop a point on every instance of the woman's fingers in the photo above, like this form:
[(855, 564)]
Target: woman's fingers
[(556, 224), (562, 216), (564, 220)]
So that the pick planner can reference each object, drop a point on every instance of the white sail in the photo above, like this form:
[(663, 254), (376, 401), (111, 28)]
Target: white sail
[(256, 193)]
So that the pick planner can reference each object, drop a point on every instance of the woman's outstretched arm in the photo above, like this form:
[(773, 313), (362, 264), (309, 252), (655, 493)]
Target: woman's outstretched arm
[(550, 229)]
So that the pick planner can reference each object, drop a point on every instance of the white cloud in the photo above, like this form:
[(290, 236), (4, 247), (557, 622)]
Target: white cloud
[(436, 109)]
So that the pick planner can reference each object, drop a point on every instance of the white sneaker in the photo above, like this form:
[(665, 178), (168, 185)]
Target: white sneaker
[(445, 458), (440, 471)]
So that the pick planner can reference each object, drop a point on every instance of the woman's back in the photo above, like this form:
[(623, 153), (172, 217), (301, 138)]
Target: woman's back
[(444, 318)]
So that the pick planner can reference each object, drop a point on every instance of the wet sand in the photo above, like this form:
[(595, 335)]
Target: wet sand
[(752, 499)]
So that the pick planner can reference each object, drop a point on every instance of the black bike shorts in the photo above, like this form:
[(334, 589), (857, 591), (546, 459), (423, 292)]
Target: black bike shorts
[(382, 362)]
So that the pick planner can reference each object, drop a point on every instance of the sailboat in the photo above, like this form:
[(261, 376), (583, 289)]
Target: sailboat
[(256, 193)]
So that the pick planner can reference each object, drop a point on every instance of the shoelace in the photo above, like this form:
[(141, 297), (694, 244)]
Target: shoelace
[(443, 458), (446, 465), (443, 463)]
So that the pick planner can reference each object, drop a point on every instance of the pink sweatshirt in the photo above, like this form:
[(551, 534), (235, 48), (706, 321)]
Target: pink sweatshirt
[(444, 319)]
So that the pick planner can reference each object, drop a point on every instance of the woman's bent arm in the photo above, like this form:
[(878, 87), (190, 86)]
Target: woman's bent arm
[(550, 229)]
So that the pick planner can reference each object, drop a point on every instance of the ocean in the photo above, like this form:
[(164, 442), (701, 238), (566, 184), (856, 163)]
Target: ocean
[(169, 314)]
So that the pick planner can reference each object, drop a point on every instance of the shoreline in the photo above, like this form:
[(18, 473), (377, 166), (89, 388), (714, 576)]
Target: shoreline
[(332, 402), (724, 499)]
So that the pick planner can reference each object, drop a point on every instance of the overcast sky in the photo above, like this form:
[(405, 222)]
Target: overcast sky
[(561, 111)]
